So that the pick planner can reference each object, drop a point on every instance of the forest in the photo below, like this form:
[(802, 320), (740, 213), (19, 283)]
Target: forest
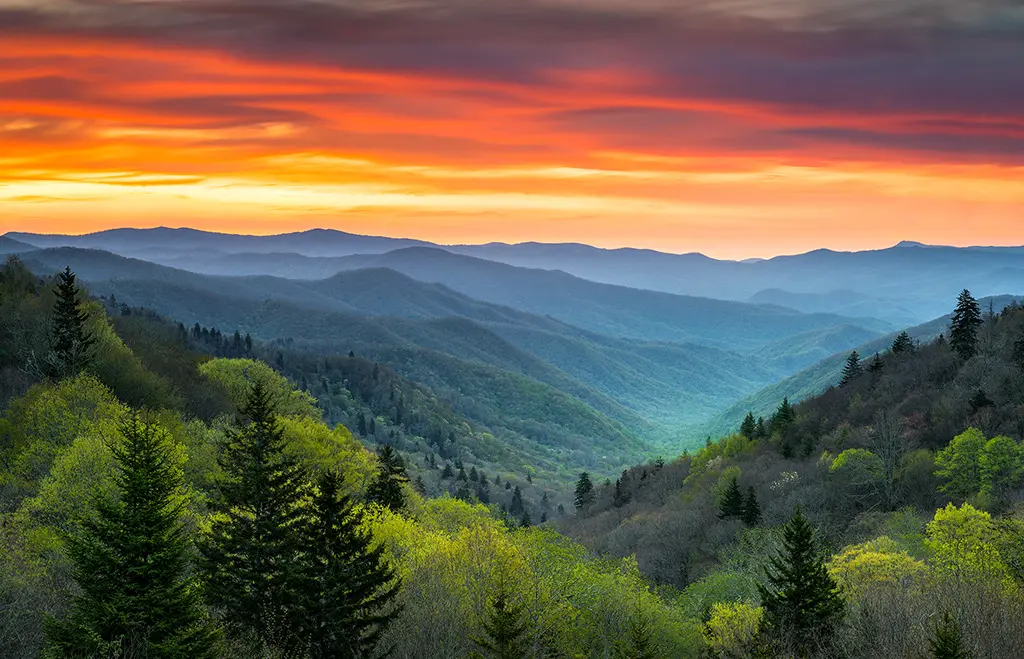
[(173, 491)]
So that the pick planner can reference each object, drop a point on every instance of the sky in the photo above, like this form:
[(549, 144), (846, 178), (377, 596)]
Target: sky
[(736, 128)]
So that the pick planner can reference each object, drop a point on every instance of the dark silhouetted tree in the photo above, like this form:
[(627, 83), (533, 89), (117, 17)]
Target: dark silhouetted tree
[(876, 365), (963, 328), (947, 643), (504, 630), (902, 344), (749, 426), (131, 563), (248, 556), (730, 506), (802, 603), (346, 588), (387, 487), (852, 370), (71, 343), (751, 509), (584, 494)]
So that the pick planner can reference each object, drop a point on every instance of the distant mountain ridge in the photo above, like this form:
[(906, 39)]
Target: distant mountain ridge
[(910, 280)]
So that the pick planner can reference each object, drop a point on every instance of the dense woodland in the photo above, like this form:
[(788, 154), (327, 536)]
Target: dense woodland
[(173, 491)]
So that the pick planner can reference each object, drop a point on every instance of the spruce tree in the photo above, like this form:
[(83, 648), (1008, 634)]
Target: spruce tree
[(963, 329), (387, 487), (637, 643), (751, 509), (516, 508), (584, 494), (876, 365), (504, 629), (852, 370), (802, 603), (730, 506), (131, 563), (947, 642), (71, 343), (902, 344), (249, 555), (346, 588), (749, 426)]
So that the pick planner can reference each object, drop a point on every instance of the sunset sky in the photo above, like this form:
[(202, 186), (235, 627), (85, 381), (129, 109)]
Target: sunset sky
[(733, 127)]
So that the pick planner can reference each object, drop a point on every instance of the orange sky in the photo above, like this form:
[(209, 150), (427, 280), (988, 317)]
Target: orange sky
[(604, 131)]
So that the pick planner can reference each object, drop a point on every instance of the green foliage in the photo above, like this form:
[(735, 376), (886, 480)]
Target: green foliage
[(878, 563), (130, 563), (504, 629), (801, 601), (238, 376), (959, 464), (751, 509), (387, 488), (248, 555), (964, 545), (947, 643), (963, 329), (731, 631), (749, 426), (1000, 466), (71, 344), (345, 588)]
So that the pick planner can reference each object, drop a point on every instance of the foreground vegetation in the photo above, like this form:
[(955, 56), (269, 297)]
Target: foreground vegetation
[(161, 502)]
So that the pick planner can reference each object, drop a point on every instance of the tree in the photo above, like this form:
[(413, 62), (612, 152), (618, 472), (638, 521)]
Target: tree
[(947, 642), (852, 370), (346, 588), (876, 365), (751, 509), (749, 427), (963, 329), (131, 563), (959, 464), (516, 508), (730, 506), (386, 488), (584, 495), (638, 643), (1000, 465), (71, 343), (1017, 356), (249, 554), (902, 344), (783, 416), (505, 629), (802, 603)]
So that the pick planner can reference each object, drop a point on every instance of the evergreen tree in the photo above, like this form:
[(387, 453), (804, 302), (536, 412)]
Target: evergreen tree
[(852, 370), (131, 564), (516, 508), (963, 329), (386, 488), (783, 416), (730, 506), (751, 509), (447, 472), (71, 343), (1017, 356), (637, 643), (947, 642), (802, 603), (504, 629), (346, 588), (876, 365), (584, 491), (621, 496), (525, 520), (762, 431), (749, 427), (902, 344), (248, 556)]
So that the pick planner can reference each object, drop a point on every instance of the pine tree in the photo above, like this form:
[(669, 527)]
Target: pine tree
[(963, 329), (730, 506), (584, 491), (386, 488), (876, 365), (802, 603), (751, 509), (346, 588), (783, 416), (447, 472), (71, 343), (947, 642), (749, 427), (852, 370), (637, 643), (131, 564), (525, 520), (902, 344), (505, 629), (248, 556), (516, 508)]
